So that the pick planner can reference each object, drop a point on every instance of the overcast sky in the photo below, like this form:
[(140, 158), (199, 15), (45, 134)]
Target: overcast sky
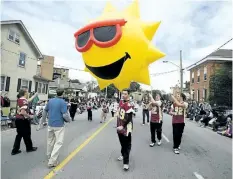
[(196, 27)]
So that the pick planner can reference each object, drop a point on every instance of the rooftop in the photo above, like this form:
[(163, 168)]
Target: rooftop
[(26, 33), (219, 55), (66, 84)]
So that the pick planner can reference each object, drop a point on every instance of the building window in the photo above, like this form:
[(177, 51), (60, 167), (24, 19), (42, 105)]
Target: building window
[(192, 77), (44, 88), (205, 94), (22, 59), (64, 70), (198, 95), (39, 88), (25, 84), (205, 73), (198, 75), (13, 36), (3, 83), (193, 94)]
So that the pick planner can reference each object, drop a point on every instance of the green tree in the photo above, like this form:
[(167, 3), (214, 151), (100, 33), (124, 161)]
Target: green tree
[(111, 90), (134, 86), (221, 86)]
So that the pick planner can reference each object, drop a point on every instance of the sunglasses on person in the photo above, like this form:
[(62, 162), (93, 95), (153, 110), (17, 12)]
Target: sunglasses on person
[(103, 34)]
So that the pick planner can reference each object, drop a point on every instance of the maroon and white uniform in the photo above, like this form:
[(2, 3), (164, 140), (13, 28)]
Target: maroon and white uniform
[(124, 117), (156, 112), (22, 103), (179, 113)]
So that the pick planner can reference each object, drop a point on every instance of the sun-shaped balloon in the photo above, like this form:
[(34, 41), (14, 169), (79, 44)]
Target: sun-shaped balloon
[(117, 48)]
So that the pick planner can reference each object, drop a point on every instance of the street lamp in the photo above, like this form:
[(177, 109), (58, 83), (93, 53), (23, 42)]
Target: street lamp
[(171, 63), (181, 70)]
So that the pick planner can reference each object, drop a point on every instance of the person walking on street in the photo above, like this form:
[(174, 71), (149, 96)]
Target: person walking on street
[(114, 107), (125, 127), (156, 119), (89, 111), (57, 112), (73, 107), (23, 123), (178, 119), (145, 106), (104, 112)]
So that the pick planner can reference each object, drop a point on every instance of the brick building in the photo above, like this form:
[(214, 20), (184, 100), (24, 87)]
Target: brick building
[(201, 71)]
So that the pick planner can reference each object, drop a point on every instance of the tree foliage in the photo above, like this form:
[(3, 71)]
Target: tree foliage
[(221, 86), (111, 89), (134, 86)]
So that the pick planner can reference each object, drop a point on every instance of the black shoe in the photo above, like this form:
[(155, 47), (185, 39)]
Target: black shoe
[(32, 150), (15, 153)]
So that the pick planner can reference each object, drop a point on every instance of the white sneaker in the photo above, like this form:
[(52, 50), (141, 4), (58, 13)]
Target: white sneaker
[(152, 144), (159, 142), (120, 158), (143, 124), (176, 151), (179, 148), (126, 167)]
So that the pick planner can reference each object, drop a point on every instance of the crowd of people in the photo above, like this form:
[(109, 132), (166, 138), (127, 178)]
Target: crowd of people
[(59, 110)]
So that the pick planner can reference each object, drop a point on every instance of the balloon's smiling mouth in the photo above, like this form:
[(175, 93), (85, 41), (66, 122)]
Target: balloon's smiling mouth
[(110, 71)]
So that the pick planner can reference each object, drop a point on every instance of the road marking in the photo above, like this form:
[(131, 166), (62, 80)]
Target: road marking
[(165, 137), (198, 175), (72, 154)]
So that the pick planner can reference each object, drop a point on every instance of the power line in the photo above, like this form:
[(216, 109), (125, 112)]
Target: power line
[(162, 73), (61, 66)]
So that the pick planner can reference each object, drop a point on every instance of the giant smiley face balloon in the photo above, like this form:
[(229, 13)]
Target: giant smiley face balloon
[(116, 47)]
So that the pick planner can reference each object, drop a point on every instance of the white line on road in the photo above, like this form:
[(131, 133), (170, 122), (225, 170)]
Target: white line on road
[(165, 137), (198, 175)]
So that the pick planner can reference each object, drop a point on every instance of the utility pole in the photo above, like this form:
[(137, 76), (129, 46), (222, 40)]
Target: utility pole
[(181, 73), (106, 92)]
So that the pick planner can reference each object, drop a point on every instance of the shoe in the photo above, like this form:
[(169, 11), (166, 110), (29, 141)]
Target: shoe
[(126, 167), (53, 165), (148, 123), (179, 148), (32, 150), (120, 158), (152, 144), (159, 142), (15, 153), (176, 151), (100, 121), (143, 124)]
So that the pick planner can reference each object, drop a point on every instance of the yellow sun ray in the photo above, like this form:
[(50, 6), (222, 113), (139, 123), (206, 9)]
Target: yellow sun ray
[(109, 8), (144, 76), (122, 85), (103, 84), (153, 54), (133, 10), (150, 29)]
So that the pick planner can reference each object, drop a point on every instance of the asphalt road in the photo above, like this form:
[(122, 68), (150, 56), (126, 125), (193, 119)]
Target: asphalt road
[(204, 154)]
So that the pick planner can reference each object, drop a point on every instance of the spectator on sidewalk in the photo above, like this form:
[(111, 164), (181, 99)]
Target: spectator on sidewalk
[(57, 112)]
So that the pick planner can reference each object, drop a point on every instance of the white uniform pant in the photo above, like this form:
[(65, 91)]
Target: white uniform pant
[(54, 143)]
